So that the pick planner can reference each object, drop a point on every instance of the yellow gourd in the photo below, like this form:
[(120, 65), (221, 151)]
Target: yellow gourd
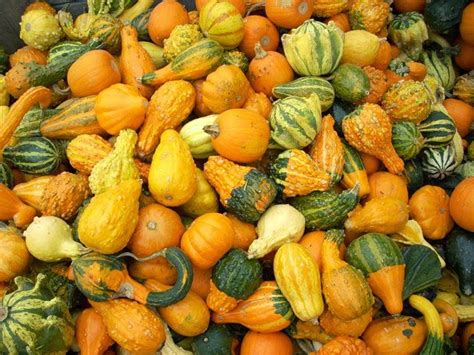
[(204, 199)]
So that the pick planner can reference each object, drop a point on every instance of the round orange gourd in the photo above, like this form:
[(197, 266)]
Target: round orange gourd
[(120, 106), (394, 51), (341, 20), (465, 58), (288, 13), (93, 72), (371, 163), (429, 206), (277, 343), (313, 241), (201, 282), (259, 29), (14, 256), (240, 135), (462, 114), (466, 27), (157, 268), (208, 238), (336, 326), (409, 5), (28, 54), (158, 227), (91, 333), (200, 108), (245, 233), (461, 204), (240, 5), (383, 183), (384, 56), (267, 70), (164, 18)]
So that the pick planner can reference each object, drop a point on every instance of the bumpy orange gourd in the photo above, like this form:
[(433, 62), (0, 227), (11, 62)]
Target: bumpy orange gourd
[(164, 18), (208, 238), (259, 103), (369, 15), (461, 204), (328, 8), (31, 192), (336, 326), (134, 61), (170, 105), (12, 208), (345, 345), (378, 85), (28, 54), (91, 333), (368, 129), (429, 206), (277, 343), (258, 29), (383, 183), (14, 256), (385, 215), (288, 14)]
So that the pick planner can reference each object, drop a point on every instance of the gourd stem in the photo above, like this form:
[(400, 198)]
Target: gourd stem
[(212, 130), (260, 53)]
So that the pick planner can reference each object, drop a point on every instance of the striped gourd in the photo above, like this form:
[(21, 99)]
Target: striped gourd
[(314, 48), (408, 31), (295, 121), (437, 163), (353, 171), (406, 139), (36, 155), (325, 210), (6, 175), (198, 141), (413, 174), (441, 67), (306, 86), (34, 321), (350, 83), (31, 121), (106, 28), (141, 25), (73, 120), (438, 129)]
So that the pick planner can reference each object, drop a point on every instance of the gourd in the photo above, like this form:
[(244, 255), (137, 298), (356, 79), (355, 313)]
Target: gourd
[(216, 340), (182, 37), (63, 195), (4, 95), (164, 18), (460, 207), (314, 48), (413, 174), (158, 269), (380, 215), (117, 166), (243, 191), (102, 72), (6, 175), (268, 69), (234, 278), (170, 105), (31, 192), (350, 83), (222, 22), (134, 61), (121, 315), (193, 63), (155, 52), (438, 129), (327, 150), (444, 17), (101, 277), (112, 215), (288, 15), (259, 103), (296, 174), (266, 344), (27, 54), (14, 254), (464, 88), (383, 184), (360, 47), (73, 120), (429, 206), (407, 140), (120, 106), (378, 85), (170, 348), (172, 179), (437, 163), (342, 344), (258, 29), (368, 129), (449, 316), (204, 199), (13, 208), (279, 225), (326, 8), (237, 59), (325, 210), (34, 318), (369, 15), (347, 294), (295, 121), (440, 65), (297, 275), (91, 334), (198, 141), (106, 28), (208, 239), (381, 261), (407, 100), (353, 171), (408, 31), (265, 311), (458, 250), (337, 327)]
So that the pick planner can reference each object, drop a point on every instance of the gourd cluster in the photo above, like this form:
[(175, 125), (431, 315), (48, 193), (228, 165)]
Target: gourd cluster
[(247, 178)]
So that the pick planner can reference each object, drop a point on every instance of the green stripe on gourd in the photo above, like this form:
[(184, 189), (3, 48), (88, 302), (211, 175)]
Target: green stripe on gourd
[(438, 163), (205, 50), (406, 139), (441, 67), (295, 121), (30, 123), (314, 48), (438, 129), (372, 252), (350, 83), (141, 25), (36, 155), (236, 275), (325, 210), (408, 31), (278, 169), (198, 141), (6, 175), (304, 87)]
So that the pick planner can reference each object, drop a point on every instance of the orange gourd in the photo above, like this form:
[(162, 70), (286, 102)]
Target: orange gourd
[(200, 108), (429, 206), (461, 204), (240, 135), (239, 5), (378, 85), (157, 269), (371, 163), (277, 343), (31, 192), (120, 106), (267, 70), (28, 54), (209, 237), (91, 333), (102, 71), (409, 5), (465, 57), (415, 71), (258, 29), (466, 27), (244, 233), (12, 208), (336, 326), (341, 20), (158, 227), (449, 316), (383, 183), (259, 103), (224, 89), (135, 60), (345, 345), (467, 333), (14, 256), (383, 57), (164, 18), (462, 114), (201, 282), (288, 13), (313, 242)]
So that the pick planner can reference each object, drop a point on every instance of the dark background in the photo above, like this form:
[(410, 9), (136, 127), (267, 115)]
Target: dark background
[(11, 10)]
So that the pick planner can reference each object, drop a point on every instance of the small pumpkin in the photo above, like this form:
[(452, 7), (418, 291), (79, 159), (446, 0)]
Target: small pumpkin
[(289, 15), (14, 255), (383, 183), (461, 113), (461, 206), (91, 333), (13, 208), (258, 29), (164, 18), (277, 343)]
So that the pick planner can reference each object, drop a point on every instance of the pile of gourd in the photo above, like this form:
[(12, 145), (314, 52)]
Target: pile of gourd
[(286, 177)]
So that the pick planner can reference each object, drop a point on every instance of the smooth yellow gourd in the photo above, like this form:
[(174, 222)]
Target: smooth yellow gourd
[(204, 199)]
